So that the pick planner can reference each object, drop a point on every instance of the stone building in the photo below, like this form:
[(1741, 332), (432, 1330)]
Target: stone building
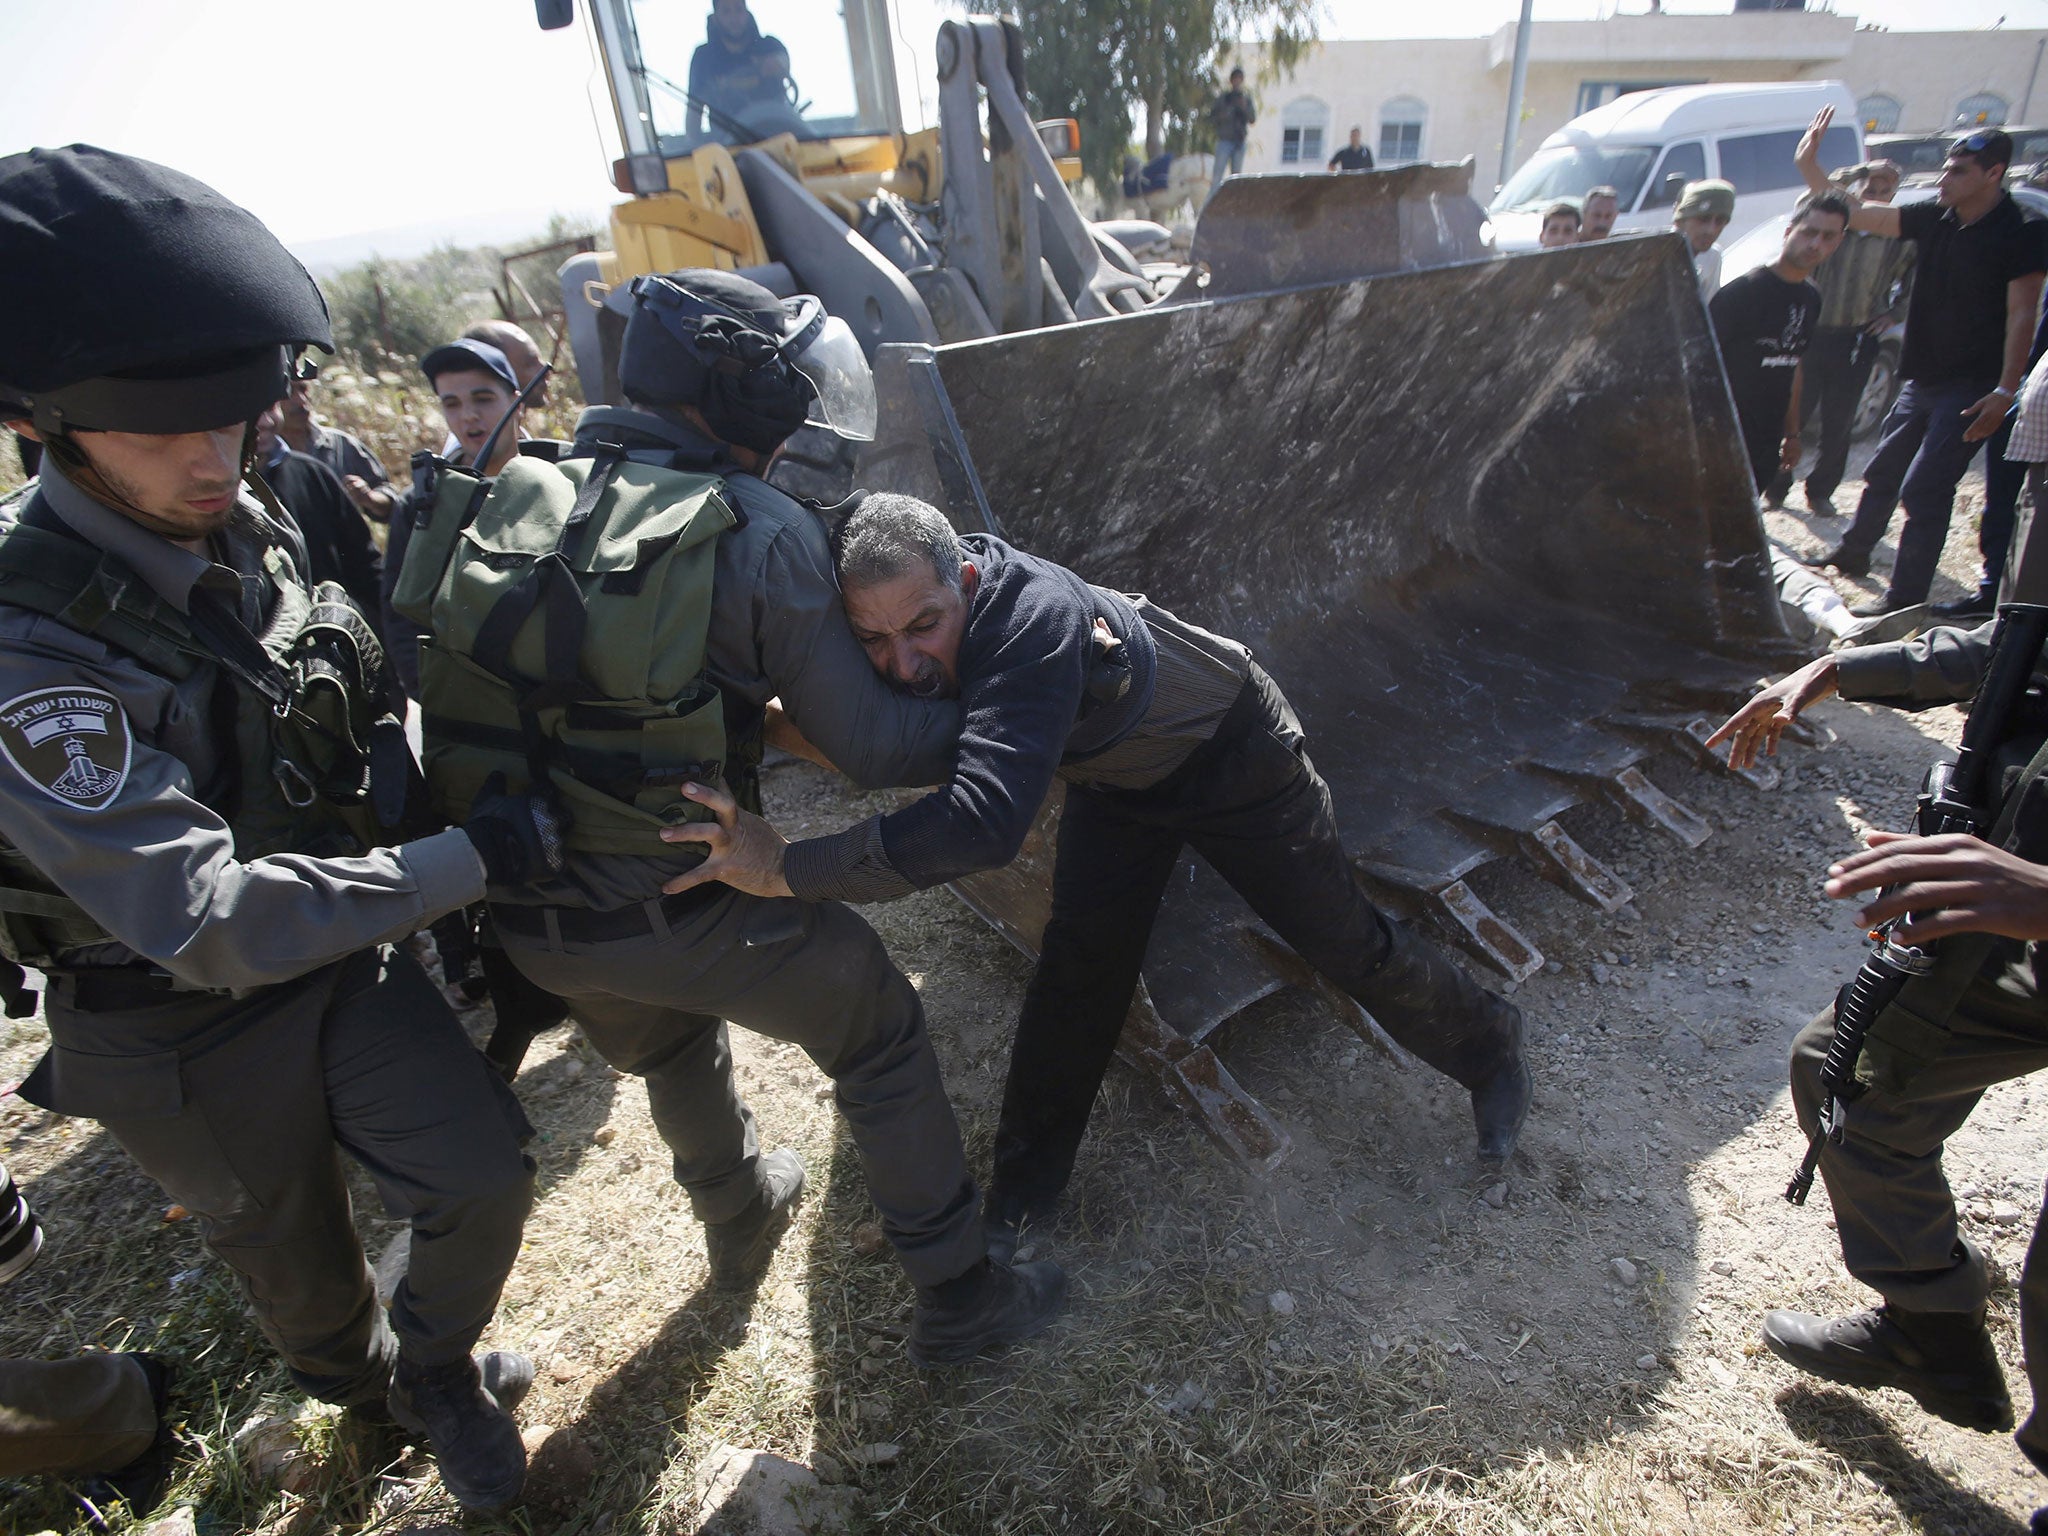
[(1446, 98)]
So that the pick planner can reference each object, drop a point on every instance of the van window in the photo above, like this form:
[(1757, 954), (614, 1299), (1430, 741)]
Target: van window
[(1762, 162), (1682, 163), (1571, 170)]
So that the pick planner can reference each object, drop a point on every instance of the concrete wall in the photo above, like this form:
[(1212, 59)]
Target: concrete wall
[(1463, 82), (1929, 73)]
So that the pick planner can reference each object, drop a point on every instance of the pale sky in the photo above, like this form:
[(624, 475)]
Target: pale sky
[(331, 117)]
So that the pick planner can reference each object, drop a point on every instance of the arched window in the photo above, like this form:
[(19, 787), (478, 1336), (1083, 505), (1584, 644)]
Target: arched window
[(1986, 109), (1879, 112), (1401, 123), (1304, 125)]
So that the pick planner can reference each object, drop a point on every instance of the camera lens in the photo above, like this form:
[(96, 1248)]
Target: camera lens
[(21, 1235)]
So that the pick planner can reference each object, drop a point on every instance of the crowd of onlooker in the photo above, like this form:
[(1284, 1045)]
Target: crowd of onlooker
[(1799, 335)]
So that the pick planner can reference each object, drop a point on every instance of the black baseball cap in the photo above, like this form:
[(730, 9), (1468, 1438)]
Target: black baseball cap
[(464, 353)]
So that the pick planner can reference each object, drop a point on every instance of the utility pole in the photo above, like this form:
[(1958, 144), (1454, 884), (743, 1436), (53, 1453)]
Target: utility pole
[(1516, 80)]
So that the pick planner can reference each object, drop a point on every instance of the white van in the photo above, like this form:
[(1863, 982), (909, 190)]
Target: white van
[(1648, 144)]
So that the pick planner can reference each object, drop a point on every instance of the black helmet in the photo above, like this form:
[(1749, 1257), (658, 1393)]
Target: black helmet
[(755, 366), (155, 304)]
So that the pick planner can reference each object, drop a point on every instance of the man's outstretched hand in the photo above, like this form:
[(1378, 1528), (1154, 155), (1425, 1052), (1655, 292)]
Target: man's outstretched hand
[(1761, 721), (1963, 885), (741, 849)]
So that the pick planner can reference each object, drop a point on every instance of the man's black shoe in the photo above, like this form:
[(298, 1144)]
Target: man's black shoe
[(143, 1481), (1847, 561), (1005, 1217), (740, 1249), (506, 1375), (990, 1305), (1878, 607), (1944, 1361), (1500, 1105), (1977, 607), (483, 1463), (1820, 506)]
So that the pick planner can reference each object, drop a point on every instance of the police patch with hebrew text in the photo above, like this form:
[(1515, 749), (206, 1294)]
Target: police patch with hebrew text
[(71, 743)]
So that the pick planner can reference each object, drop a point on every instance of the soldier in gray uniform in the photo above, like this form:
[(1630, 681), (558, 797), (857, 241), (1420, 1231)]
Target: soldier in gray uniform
[(195, 769), (722, 373), (1894, 1211)]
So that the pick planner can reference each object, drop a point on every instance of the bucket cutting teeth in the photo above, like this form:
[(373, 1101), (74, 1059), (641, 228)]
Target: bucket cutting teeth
[(1196, 1080), (1561, 861), (1688, 735), (1453, 905), (1632, 790)]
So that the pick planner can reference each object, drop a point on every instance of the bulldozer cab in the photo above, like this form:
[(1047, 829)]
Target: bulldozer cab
[(740, 72)]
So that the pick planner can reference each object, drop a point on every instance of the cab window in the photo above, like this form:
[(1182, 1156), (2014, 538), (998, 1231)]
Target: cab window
[(1682, 163)]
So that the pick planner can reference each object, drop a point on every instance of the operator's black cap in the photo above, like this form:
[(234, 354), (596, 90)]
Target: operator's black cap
[(144, 301), (467, 353)]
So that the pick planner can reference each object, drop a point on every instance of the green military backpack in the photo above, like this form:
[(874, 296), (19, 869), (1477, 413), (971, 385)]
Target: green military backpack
[(567, 607)]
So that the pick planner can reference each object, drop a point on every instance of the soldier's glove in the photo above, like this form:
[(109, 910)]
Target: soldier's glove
[(519, 837)]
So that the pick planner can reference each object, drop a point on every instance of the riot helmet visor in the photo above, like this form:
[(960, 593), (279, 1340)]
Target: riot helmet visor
[(823, 350)]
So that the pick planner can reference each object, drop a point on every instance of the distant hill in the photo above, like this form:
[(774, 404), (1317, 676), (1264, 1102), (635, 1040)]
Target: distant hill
[(509, 228)]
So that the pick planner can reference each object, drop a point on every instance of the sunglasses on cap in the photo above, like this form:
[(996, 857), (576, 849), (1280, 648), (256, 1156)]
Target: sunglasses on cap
[(1976, 143)]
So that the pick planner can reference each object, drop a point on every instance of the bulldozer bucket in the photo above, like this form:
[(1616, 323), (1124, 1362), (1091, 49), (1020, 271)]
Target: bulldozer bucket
[(1265, 232), (1489, 525)]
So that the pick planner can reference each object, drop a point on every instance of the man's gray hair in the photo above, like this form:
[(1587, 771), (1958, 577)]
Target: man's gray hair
[(888, 536)]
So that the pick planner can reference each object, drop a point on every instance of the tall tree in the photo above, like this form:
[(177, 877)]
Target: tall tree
[(1098, 60)]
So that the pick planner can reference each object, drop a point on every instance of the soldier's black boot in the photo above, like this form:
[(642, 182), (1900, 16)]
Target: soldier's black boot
[(1422, 999), (740, 1249), (1943, 1360), (989, 1305), (483, 1463), (1006, 1217)]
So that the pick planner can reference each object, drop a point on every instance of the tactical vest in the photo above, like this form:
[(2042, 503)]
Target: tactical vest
[(310, 714), (568, 607)]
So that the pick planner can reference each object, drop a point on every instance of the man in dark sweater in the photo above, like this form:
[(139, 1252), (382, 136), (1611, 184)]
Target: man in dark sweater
[(338, 543), (1165, 735), (1764, 320), (1232, 115)]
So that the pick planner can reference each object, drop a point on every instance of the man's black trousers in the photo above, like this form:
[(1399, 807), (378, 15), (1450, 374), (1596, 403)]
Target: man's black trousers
[(1837, 366), (1249, 802)]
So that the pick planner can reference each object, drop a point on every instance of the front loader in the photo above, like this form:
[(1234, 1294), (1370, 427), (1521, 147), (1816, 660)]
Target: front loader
[(1486, 519)]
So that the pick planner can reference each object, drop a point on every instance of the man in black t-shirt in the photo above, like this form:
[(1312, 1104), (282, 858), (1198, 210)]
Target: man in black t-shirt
[(1353, 156), (1976, 286), (1764, 319)]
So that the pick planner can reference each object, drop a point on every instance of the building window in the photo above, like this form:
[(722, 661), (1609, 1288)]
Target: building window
[(1986, 109), (1401, 124), (1304, 123), (1597, 93), (1880, 113)]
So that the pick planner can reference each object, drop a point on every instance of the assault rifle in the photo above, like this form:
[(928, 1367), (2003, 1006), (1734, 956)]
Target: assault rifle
[(1962, 796)]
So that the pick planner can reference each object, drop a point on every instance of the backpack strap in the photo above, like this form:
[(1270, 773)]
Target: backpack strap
[(551, 582)]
